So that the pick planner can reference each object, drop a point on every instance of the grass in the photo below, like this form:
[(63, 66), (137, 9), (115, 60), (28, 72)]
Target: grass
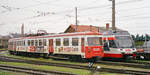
[(3, 49), (53, 68), (139, 43), (79, 63), (140, 61), (2, 72)]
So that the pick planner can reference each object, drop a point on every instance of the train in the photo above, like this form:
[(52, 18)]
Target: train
[(79, 45), (89, 46), (120, 45)]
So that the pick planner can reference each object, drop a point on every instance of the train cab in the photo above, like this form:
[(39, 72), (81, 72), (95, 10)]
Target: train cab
[(119, 46)]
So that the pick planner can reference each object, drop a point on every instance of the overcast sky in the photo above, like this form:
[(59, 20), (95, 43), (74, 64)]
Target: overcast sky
[(55, 16)]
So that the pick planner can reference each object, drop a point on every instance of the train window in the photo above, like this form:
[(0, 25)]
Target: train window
[(94, 41), (28, 42), (21, 43), (75, 41), (66, 42), (40, 42), (58, 42), (24, 43), (32, 42), (112, 44), (36, 42), (18, 43), (44, 42)]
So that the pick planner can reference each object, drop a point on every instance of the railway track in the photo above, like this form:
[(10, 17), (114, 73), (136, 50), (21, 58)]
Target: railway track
[(136, 65), (125, 71), (145, 66), (32, 71), (3, 50)]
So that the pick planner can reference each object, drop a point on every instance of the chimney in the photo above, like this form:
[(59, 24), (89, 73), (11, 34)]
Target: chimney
[(107, 26), (90, 27), (98, 29)]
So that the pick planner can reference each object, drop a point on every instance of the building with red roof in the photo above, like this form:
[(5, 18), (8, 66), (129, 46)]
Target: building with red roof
[(84, 28)]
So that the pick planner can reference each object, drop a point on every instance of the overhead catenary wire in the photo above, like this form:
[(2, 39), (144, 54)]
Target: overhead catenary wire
[(82, 9)]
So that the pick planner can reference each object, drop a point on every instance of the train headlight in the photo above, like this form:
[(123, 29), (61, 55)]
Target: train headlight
[(89, 48), (123, 52), (134, 49)]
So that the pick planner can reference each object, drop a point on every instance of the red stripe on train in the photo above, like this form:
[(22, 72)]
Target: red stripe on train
[(113, 55)]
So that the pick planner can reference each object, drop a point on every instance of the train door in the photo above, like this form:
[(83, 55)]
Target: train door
[(82, 45), (51, 49), (106, 44), (14, 45), (94, 47)]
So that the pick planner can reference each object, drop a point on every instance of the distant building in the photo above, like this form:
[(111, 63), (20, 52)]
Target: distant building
[(83, 28), (4, 42)]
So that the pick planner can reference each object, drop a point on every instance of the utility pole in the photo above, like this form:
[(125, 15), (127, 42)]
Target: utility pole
[(113, 15), (145, 42), (76, 19), (22, 30)]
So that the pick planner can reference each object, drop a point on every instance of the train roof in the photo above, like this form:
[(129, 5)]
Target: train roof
[(59, 35), (116, 32)]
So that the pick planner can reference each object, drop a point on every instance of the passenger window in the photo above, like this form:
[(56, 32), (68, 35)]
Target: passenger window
[(24, 42), (40, 42), (58, 42), (28, 42), (17, 43), (32, 42), (75, 41), (36, 42), (21, 43), (44, 42), (66, 42)]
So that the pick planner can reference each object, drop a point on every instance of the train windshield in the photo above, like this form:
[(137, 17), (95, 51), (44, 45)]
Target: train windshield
[(94, 41), (124, 42)]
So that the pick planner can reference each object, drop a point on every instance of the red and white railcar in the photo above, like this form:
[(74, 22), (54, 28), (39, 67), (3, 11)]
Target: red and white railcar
[(86, 45), (118, 44)]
